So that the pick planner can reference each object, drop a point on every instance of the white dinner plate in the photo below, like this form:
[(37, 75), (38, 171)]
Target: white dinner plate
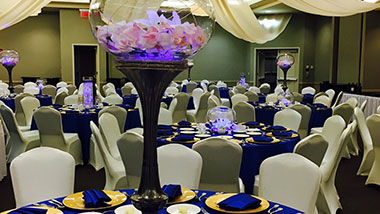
[(253, 130), (226, 136), (202, 135), (241, 135), (239, 131), (254, 133), (183, 209), (127, 209), (186, 129), (187, 132)]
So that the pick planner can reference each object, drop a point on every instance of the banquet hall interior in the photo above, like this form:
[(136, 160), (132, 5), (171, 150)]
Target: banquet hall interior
[(278, 113)]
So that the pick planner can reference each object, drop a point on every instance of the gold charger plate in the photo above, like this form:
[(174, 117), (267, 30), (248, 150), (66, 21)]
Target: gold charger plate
[(76, 201), (189, 141), (266, 129), (294, 135), (192, 124), (260, 125), (50, 210), (187, 195), (212, 202), (250, 140)]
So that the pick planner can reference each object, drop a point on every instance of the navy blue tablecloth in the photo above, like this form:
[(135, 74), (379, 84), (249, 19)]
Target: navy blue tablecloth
[(262, 98), (168, 100), (286, 210), (130, 100), (307, 98), (223, 92), (45, 100), (75, 122)]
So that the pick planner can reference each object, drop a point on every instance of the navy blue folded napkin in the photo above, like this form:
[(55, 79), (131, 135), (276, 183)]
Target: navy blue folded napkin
[(240, 201), (170, 127), (277, 128), (183, 138), (252, 123), (95, 198), (320, 105), (165, 132), (28, 210), (262, 139), (172, 190), (57, 105), (184, 123), (282, 134)]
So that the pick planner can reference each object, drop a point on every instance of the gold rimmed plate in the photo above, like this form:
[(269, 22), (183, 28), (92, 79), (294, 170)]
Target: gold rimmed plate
[(252, 126), (294, 135), (50, 210), (250, 140), (192, 124), (76, 201), (195, 139), (212, 202), (187, 195)]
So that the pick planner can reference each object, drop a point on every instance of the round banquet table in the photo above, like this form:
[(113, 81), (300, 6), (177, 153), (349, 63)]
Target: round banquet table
[(45, 100), (201, 204), (253, 156), (79, 122), (131, 100)]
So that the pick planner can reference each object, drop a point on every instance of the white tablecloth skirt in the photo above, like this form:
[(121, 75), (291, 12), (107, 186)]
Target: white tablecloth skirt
[(372, 102)]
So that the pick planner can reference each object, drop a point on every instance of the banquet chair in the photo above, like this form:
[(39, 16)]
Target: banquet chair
[(221, 165), (29, 104), (378, 110), (171, 91), (199, 115), (49, 90), (19, 112), (328, 199), (178, 164), (231, 93), (363, 105), (197, 93), (254, 89), (114, 168), (320, 94), (368, 153), (204, 86), (110, 91), (245, 112), (190, 86), (60, 98), (333, 128), (288, 118), (42, 173), (4, 85), (297, 97), (264, 88), (271, 98), (60, 90), (278, 91), (131, 147), (178, 107), (215, 89), (113, 99), (126, 90), (119, 113), (338, 99), (220, 84), (325, 100), (165, 117), (352, 101), (95, 157), (61, 84), (252, 96), (30, 84), (373, 123), (305, 112), (130, 84), (235, 99), (308, 90), (49, 123), (312, 147), (71, 89), (211, 103), (173, 84), (331, 93), (110, 131), (32, 90), (280, 181), (345, 110), (18, 142), (71, 99), (18, 89), (239, 89)]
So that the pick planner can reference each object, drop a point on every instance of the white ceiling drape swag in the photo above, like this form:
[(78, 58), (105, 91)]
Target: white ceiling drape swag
[(331, 7), (14, 11), (237, 17)]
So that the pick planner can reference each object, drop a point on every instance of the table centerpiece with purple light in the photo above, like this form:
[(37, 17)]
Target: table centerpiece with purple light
[(88, 98), (285, 62), (152, 40), (9, 59), (221, 119), (242, 80)]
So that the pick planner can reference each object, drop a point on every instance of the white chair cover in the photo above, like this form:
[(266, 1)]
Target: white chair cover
[(313, 147), (323, 100), (32, 90), (178, 107), (197, 93), (113, 99), (3, 160), (271, 98), (61, 84), (165, 117), (71, 100), (200, 114), (110, 130), (265, 88), (29, 104), (245, 112), (305, 112), (373, 123), (235, 99), (288, 118), (254, 89), (308, 90), (119, 112), (30, 84), (171, 91)]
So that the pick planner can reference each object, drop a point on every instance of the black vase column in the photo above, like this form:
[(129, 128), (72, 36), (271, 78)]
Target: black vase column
[(150, 79), (9, 69), (285, 70)]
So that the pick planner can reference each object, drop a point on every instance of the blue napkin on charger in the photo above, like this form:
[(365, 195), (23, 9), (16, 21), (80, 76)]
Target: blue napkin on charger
[(183, 138), (320, 105), (28, 210), (262, 139), (95, 198), (277, 128), (282, 134), (172, 190), (252, 123), (184, 123), (240, 201), (165, 132), (165, 127)]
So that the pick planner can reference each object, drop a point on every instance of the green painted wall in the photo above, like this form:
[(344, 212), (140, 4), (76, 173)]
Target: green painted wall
[(37, 41)]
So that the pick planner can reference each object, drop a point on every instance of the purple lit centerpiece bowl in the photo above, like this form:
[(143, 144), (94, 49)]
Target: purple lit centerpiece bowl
[(285, 62), (9, 59), (152, 40), (221, 119)]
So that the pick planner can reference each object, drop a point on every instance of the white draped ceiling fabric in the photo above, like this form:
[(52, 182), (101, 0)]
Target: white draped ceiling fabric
[(237, 17), (14, 11), (332, 7)]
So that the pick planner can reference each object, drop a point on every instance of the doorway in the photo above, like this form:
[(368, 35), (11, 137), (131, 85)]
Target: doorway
[(85, 62)]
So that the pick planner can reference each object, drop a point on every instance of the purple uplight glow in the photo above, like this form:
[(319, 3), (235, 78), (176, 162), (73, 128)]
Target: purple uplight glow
[(286, 102), (87, 94), (9, 61), (221, 125), (242, 80)]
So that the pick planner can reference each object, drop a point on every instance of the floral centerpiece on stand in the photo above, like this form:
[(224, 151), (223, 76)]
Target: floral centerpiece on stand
[(285, 62), (9, 59)]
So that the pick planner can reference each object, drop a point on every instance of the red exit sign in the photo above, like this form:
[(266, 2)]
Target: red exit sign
[(83, 13)]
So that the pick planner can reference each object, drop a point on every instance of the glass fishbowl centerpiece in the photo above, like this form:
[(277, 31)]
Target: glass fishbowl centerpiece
[(285, 62), (221, 119), (9, 59)]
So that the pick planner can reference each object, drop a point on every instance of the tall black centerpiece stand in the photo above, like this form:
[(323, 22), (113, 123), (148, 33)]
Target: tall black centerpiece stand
[(9, 69), (150, 78), (285, 70)]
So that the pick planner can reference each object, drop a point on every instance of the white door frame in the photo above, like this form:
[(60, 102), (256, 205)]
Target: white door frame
[(97, 58)]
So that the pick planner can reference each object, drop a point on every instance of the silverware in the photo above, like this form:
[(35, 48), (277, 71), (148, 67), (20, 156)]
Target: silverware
[(58, 202), (57, 205), (204, 211), (275, 211), (272, 208), (200, 197)]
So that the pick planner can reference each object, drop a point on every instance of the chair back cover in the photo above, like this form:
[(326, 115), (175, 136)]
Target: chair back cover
[(29, 104), (126, 90), (221, 164), (60, 98), (42, 173), (119, 112), (111, 90), (338, 98), (178, 164), (333, 128), (165, 117), (297, 97), (18, 89), (352, 101), (312, 147), (373, 123), (49, 90), (19, 112), (197, 93), (280, 181), (60, 90), (331, 93), (325, 100), (245, 112), (305, 112), (211, 103), (131, 147), (30, 84), (264, 88), (252, 96), (190, 86), (201, 112), (240, 89), (378, 110), (215, 89), (171, 91), (113, 99), (288, 118), (271, 98), (179, 111), (345, 110), (363, 105), (109, 128), (61, 84), (71, 89), (32, 90), (204, 86), (308, 90), (254, 89), (235, 99), (71, 100)]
